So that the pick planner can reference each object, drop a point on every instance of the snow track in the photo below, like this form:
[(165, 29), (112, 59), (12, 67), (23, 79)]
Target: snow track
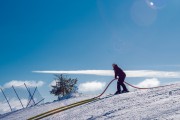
[(158, 103)]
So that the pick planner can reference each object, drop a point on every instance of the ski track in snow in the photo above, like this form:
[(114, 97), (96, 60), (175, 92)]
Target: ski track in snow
[(153, 104)]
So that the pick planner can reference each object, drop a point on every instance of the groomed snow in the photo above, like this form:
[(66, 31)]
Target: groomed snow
[(153, 104)]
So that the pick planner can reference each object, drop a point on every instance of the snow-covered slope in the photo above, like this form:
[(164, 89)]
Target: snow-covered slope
[(160, 103)]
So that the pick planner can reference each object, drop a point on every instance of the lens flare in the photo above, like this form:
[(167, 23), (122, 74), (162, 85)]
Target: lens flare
[(143, 15), (156, 4)]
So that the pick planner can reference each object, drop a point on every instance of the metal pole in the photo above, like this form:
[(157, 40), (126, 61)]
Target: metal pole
[(31, 97), (39, 101), (6, 99), (17, 96)]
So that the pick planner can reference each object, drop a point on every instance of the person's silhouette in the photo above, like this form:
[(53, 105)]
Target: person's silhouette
[(121, 77)]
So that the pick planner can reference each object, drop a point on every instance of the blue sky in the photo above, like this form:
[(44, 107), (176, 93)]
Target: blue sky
[(88, 35)]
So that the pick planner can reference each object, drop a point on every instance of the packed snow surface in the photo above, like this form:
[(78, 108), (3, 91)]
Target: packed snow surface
[(152, 104)]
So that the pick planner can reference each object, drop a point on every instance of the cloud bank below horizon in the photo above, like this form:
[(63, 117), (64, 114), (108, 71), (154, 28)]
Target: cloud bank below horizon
[(129, 73), (91, 86), (148, 83), (20, 84)]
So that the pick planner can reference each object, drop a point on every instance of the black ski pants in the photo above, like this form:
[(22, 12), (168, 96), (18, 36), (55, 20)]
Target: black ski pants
[(120, 83)]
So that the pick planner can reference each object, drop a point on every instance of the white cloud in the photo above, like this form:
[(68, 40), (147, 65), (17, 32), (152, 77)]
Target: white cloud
[(15, 104), (53, 83), (153, 82), (153, 73), (129, 73), (18, 83), (87, 72), (4, 107), (91, 86)]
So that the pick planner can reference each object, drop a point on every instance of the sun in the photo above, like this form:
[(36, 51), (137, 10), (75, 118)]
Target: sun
[(156, 4), (151, 3)]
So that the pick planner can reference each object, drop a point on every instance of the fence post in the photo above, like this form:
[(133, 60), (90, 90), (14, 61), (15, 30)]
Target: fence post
[(31, 97), (17, 96), (6, 99)]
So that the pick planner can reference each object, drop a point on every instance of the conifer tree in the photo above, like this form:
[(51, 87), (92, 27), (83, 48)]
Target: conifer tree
[(64, 86)]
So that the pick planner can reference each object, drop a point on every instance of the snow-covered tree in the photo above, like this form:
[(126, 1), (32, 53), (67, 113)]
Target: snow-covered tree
[(64, 86)]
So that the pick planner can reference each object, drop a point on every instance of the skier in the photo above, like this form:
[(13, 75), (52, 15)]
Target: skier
[(121, 76)]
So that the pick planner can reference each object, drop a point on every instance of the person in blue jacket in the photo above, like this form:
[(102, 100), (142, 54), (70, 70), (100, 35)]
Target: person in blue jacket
[(118, 72)]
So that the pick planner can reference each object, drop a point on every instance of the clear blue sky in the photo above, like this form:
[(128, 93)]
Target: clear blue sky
[(87, 34)]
